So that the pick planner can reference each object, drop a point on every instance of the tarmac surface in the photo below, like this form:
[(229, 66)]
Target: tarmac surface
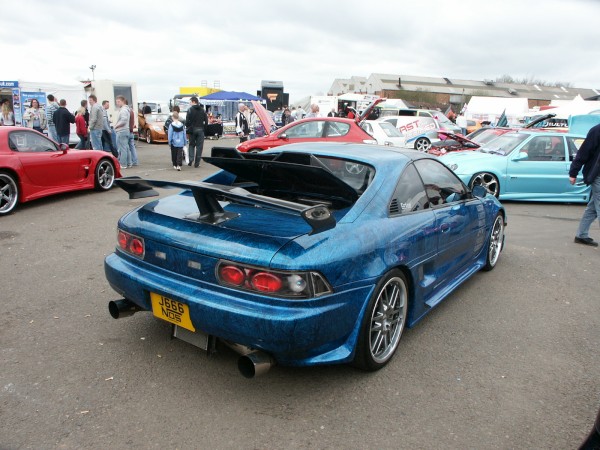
[(510, 360)]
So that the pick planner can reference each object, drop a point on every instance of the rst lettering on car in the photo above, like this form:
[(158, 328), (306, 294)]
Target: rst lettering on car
[(409, 126)]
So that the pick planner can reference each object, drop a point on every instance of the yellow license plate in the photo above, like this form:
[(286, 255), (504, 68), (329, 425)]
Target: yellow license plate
[(171, 311)]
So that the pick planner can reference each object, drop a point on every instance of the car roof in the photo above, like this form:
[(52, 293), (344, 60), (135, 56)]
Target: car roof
[(378, 156)]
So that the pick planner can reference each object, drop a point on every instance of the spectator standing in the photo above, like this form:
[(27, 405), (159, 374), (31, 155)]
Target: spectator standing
[(122, 131), (81, 128), (51, 108), (252, 123), (107, 131), (132, 149), (86, 115), (242, 128), (332, 113), (314, 111), (62, 121), (177, 139), (294, 113), (286, 117), (461, 122), (35, 117), (196, 122), (7, 117), (300, 113), (170, 119), (146, 109), (588, 157), (96, 122)]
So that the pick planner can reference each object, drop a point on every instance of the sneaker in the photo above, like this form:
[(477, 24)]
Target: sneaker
[(178, 168), (129, 166), (175, 167), (190, 164), (586, 241)]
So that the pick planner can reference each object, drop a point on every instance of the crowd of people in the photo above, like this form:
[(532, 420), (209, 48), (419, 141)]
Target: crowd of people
[(92, 124)]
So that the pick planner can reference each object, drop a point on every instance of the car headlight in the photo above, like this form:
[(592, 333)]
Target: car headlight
[(156, 128), (369, 141), (453, 167)]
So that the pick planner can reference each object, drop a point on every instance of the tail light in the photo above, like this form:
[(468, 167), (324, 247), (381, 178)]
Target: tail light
[(272, 282), (131, 244)]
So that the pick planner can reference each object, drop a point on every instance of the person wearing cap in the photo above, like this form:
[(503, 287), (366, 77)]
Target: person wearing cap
[(196, 122)]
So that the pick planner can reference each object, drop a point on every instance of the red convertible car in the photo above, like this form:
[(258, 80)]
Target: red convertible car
[(33, 166), (314, 129)]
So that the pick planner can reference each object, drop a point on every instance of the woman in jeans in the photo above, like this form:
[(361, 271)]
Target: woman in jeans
[(81, 128)]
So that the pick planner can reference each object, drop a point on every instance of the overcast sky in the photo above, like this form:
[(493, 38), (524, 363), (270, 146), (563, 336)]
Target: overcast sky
[(163, 45)]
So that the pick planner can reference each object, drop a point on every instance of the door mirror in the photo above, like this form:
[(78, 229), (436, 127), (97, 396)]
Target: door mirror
[(479, 191), (63, 147), (283, 136), (521, 156)]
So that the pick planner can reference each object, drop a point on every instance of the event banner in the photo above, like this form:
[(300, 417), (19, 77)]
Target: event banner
[(27, 97)]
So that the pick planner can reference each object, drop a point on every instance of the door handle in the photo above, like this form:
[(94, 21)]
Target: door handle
[(444, 227)]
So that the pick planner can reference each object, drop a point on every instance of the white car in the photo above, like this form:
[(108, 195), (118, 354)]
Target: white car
[(384, 133), (419, 132)]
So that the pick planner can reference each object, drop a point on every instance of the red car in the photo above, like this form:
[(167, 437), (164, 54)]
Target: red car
[(33, 166), (314, 129)]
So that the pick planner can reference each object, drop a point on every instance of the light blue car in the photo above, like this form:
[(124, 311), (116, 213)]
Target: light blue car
[(523, 165)]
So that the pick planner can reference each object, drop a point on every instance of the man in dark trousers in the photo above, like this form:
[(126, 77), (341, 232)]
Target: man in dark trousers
[(588, 157), (196, 122), (62, 121)]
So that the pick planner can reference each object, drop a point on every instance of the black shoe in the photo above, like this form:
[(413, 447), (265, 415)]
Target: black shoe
[(190, 164), (586, 241), (196, 166)]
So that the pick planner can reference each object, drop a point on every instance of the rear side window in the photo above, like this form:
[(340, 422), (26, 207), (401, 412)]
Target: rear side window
[(312, 129), (441, 185), (407, 112), (409, 195), (337, 129), (573, 144)]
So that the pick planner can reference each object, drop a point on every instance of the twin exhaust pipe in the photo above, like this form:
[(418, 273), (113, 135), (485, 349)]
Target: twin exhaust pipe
[(251, 363)]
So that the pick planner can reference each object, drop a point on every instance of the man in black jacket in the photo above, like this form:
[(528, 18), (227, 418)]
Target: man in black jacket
[(588, 156), (62, 121), (196, 121)]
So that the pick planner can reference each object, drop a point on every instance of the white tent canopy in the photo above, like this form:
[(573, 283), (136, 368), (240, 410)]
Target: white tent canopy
[(577, 106), (491, 108)]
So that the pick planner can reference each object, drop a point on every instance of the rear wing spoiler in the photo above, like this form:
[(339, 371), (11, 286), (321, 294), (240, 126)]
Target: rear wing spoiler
[(210, 211)]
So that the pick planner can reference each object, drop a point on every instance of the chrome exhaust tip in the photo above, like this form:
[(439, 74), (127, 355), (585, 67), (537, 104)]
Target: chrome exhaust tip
[(255, 364), (122, 308)]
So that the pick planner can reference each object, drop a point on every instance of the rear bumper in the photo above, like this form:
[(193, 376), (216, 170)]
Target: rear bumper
[(294, 332)]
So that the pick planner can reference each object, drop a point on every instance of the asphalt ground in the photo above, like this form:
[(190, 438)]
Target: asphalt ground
[(510, 360)]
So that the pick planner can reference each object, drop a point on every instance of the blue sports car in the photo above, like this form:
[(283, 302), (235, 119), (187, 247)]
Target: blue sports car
[(307, 254), (523, 165)]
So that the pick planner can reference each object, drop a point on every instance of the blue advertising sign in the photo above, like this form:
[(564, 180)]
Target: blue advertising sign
[(16, 98), (27, 97), (9, 84)]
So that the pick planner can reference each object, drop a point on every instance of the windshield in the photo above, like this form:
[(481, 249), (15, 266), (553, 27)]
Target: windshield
[(504, 144), (156, 117), (441, 118), (486, 136), (183, 103), (389, 129)]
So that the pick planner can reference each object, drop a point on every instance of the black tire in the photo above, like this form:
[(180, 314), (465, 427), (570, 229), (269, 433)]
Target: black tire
[(383, 324), (148, 136), (104, 176), (9, 193), (495, 243), (422, 144), (488, 180)]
